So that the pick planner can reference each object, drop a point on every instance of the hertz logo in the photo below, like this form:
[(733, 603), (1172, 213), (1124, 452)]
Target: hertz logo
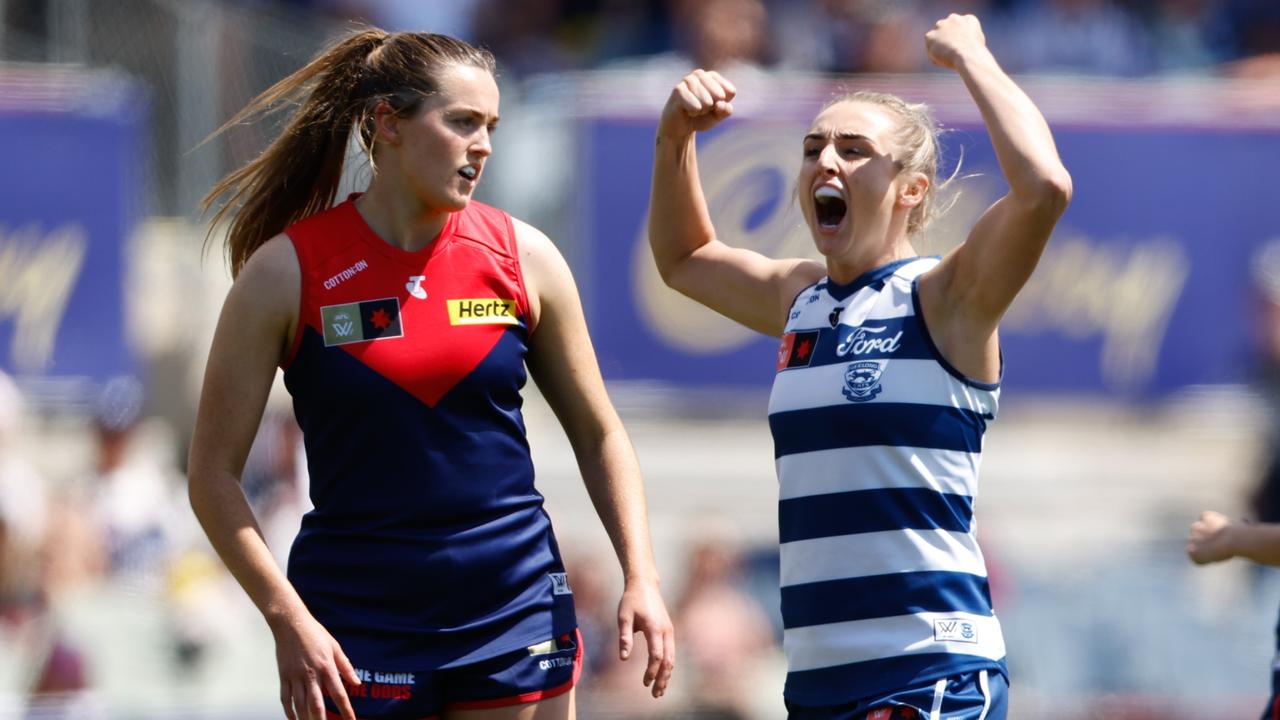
[(482, 311)]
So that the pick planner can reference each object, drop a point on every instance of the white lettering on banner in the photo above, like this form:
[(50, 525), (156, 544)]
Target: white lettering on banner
[(1123, 294), (859, 342), (38, 273)]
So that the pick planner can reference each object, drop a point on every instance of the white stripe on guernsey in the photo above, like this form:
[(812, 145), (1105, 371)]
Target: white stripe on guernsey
[(879, 553), (874, 467), (939, 690), (842, 643), (922, 382), (986, 694)]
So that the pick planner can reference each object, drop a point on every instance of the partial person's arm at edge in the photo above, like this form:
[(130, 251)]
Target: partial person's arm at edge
[(740, 284), (1216, 537), (981, 277), (248, 344), (563, 363)]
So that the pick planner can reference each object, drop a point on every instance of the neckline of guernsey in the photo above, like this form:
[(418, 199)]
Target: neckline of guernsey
[(416, 258), (875, 275)]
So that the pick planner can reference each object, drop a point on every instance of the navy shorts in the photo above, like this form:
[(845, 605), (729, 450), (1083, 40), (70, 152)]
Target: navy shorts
[(982, 695), (527, 675)]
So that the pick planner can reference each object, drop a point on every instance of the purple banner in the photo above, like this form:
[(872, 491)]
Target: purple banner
[(1142, 291)]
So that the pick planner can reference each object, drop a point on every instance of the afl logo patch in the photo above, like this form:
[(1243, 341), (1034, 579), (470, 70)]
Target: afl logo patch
[(862, 381)]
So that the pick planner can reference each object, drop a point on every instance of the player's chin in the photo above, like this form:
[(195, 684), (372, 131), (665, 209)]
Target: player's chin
[(456, 201)]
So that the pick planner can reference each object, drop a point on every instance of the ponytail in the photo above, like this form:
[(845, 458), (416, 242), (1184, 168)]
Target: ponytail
[(299, 172)]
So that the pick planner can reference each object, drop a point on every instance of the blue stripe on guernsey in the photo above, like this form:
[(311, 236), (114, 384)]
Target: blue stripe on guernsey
[(860, 554), (850, 425), (874, 278), (872, 511), (829, 686), (835, 601)]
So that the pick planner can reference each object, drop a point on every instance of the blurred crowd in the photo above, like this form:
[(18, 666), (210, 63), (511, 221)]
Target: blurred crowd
[(121, 529), (1124, 38)]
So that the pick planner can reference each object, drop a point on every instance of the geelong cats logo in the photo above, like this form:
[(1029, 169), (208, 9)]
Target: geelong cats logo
[(862, 381)]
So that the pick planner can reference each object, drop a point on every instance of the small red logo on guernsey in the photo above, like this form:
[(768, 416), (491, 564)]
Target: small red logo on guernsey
[(797, 349)]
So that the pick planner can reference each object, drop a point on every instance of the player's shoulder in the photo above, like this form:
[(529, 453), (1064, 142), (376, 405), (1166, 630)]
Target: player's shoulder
[(272, 271)]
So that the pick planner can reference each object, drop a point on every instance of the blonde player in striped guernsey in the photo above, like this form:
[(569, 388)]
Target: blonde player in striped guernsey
[(888, 373)]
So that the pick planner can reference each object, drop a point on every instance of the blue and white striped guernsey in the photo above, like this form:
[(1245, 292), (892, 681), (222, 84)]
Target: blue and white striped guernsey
[(878, 441)]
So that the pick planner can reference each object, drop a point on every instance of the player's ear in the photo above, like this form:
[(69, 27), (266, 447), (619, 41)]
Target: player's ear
[(386, 123), (912, 188)]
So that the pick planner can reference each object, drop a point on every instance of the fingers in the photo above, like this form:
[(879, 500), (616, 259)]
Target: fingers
[(625, 635), (703, 92), (286, 699), (666, 643), (315, 701), (338, 693), (346, 671), (719, 87), (651, 670)]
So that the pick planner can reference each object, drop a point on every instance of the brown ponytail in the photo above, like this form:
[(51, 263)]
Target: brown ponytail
[(298, 174)]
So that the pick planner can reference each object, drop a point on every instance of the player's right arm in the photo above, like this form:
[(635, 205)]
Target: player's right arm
[(251, 339), (740, 284), (1215, 537)]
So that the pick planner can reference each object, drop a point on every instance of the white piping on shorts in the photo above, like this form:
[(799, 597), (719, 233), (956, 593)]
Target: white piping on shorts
[(986, 694), (939, 689)]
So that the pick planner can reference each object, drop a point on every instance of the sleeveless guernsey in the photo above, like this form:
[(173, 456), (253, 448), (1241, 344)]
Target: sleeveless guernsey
[(428, 545), (878, 441)]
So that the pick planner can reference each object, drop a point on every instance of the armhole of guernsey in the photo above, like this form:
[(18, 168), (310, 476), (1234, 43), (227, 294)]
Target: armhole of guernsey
[(511, 247), (522, 292), (301, 323), (786, 313), (918, 311)]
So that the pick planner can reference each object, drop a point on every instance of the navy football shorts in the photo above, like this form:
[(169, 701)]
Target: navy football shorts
[(536, 673), (979, 695)]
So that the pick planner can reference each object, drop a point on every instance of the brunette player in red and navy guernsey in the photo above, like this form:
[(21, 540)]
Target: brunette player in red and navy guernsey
[(427, 581)]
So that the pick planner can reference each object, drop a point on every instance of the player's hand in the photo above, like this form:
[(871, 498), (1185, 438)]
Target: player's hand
[(642, 611), (1208, 542), (312, 665), (699, 102), (951, 38)]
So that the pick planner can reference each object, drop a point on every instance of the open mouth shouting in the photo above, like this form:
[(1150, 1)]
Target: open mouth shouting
[(829, 208), (470, 173)]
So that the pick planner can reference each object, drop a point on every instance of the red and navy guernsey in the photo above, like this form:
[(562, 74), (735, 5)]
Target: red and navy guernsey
[(428, 545)]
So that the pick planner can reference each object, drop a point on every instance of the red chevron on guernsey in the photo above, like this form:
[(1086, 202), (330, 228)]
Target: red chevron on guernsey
[(424, 345)]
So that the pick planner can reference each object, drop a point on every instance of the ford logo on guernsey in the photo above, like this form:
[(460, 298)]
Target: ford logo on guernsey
[(863, 340), (862, 381)]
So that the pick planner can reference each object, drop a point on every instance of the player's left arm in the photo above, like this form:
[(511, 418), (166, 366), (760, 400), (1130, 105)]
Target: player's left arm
[(563, 363), (973, 286), (1215, 537)]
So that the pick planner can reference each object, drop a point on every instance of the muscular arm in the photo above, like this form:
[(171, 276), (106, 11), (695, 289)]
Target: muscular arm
[(740, 284), (968, 293), (562, 362)]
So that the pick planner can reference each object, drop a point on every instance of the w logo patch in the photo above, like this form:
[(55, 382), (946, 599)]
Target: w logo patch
[(362, 321)]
